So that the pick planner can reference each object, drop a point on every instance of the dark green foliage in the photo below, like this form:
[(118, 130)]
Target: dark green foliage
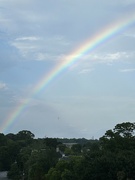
[(76, 148), (3, 140), (5, 159), (67, 169), (51, 142), (109, 158), (120, 138), (14, 173), (81, 141), (11, 136), (62, 147)]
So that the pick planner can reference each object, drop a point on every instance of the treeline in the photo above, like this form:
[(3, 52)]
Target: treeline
[(81, 141), (109, 158)]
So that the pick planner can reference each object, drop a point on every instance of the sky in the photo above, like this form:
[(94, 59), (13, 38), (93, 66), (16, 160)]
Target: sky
[(86, 98)]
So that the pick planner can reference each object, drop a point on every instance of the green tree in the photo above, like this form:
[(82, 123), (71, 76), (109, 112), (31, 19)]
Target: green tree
[(51, 142), (11, 136), (76, 148), (25, 135), (5, 159), (41, 161), (120, 138), (53, 174), (14, 172), (67, 175), (125, 129), (72, 168), (3, 139)]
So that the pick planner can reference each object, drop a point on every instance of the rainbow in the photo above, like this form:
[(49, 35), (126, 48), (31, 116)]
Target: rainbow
[(99, 38)]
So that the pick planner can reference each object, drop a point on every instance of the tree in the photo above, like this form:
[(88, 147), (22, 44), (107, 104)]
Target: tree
[(40, 162), (11, 136), (5, 160), (25, 135), (76, 148), (3, 139), (120, 138), (112, 157), (67, 175), (125, 129), (51, 142), (53, 174), (120, 143), (14, 172), (100, 165), (72, 168)]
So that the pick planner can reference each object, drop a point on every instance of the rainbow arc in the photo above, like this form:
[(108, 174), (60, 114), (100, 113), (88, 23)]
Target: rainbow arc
[(86, 47)]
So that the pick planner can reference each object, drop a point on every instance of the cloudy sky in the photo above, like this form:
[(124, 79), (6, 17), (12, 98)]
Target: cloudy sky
[(89, 97)]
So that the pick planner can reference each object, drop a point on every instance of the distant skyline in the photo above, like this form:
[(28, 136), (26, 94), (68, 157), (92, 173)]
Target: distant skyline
[(90, 95)]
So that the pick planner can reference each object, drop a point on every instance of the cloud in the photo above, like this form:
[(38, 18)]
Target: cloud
[(27, 45), (30, 38), (131, 35), (87, 62), (85, 71), (46, 56), (34, 19), (41, 48), (3, 86), (50, 32), (107, 57), (111, 57), (127, 70)]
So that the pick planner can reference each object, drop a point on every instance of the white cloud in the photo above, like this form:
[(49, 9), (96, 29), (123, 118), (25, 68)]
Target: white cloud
[(3, 86), (51, 30), (24, 48), (41, 48), (86, 62), (26, 45), (85, 71), (127, 70), (46, 56), (29, 38), (110, 57), (132, 35)]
